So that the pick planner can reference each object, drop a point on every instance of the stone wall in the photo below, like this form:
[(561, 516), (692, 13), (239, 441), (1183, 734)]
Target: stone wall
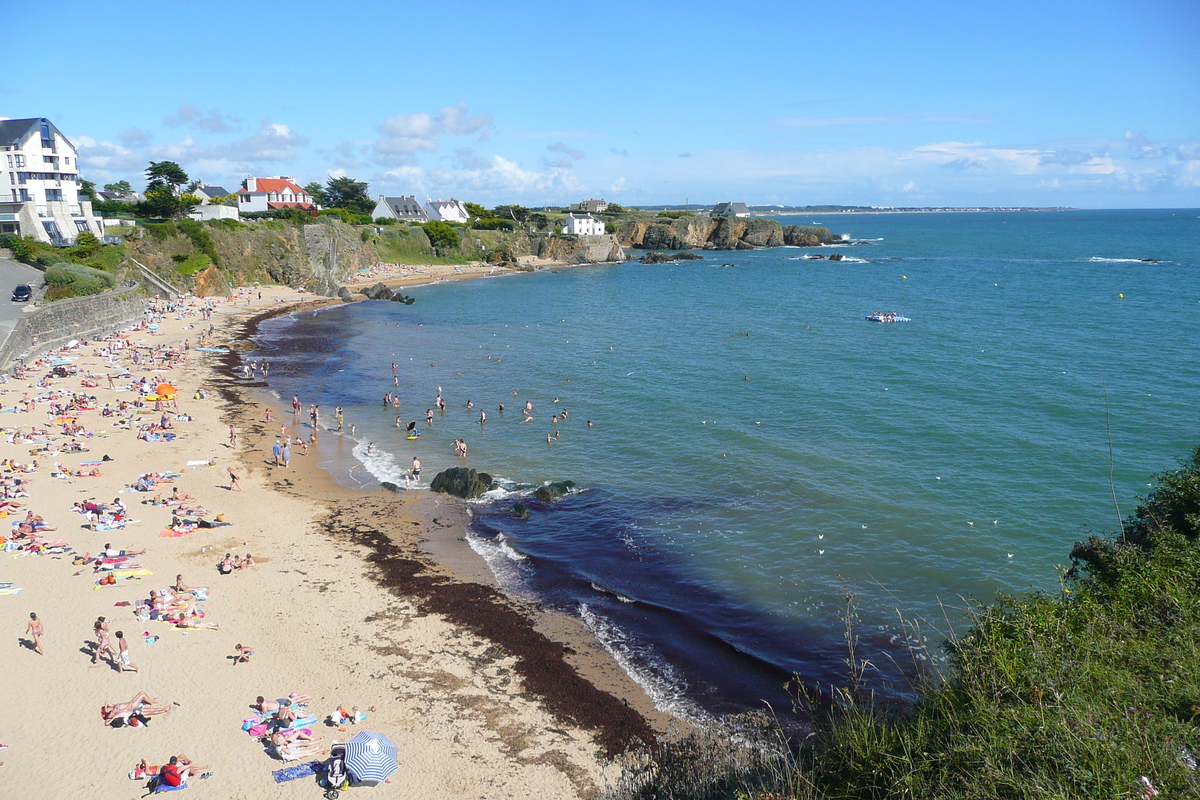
[(55, 324)]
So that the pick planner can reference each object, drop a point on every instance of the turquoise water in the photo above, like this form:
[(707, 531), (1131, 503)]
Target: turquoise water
[(759, 449)]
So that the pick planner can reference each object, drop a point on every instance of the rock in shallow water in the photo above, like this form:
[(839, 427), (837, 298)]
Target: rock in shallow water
[(461, 482)]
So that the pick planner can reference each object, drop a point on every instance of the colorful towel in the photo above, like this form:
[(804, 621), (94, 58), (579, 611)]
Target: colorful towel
[(299, 771)]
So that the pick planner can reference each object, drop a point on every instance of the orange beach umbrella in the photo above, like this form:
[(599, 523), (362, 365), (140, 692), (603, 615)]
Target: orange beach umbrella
[(166, 389)]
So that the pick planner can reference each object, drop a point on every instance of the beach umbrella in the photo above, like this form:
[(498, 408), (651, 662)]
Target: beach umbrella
[(166, 389), (370, 758)]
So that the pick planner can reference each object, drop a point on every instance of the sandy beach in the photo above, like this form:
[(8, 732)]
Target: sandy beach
[(357, 599)]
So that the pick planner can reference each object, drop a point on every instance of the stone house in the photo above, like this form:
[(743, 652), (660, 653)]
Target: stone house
[(590, 206)]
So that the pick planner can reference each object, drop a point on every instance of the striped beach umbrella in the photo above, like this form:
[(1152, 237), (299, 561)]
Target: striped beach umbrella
[(370, 758)]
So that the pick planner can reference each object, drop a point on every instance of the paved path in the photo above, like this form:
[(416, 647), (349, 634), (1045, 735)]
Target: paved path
[(11, 274)]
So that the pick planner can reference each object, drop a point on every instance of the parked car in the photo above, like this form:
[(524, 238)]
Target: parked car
[(22, 293)]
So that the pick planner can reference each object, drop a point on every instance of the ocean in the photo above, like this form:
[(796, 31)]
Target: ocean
[(765, 470)]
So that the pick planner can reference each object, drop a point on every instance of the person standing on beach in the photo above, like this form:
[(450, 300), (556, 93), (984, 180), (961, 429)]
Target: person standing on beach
[(267, 413), (338, 414), (36, 630), (232, 437), (277, 451), (416, 469), (295, 404), (123, 661), (285, 453)]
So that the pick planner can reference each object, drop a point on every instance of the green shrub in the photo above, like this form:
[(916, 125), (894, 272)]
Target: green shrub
[(494, 224), (22, 249), (161, 231), (191, 264), (75, 280), (441, 234), (200, 237), (228, 224), (385, 220)]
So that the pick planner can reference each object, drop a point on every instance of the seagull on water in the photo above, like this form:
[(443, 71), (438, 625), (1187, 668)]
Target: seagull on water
[(821, 552)]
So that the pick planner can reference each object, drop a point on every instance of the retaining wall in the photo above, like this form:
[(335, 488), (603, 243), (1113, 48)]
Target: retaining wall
[(55, 324)]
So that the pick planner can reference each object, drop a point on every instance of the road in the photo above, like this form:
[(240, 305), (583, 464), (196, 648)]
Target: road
[(12, 273)]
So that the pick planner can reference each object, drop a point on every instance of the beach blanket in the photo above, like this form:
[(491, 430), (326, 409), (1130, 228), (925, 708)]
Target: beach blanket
[(11, 590), (131, 573), (299, 771)]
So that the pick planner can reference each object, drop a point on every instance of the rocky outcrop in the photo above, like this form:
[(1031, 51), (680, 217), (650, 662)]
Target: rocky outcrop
[(726, 233), (581, 249), (552, 491), (807, 236), (664, 258), (461, 482), (379, 291)]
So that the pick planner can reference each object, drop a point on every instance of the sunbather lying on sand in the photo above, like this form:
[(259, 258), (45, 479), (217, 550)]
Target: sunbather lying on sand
[(140, 704), (293, 752)]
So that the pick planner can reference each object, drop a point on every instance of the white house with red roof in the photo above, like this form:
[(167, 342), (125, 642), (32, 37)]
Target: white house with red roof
[(270, 194)]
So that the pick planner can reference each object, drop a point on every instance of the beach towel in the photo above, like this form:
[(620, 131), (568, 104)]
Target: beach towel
[(299, 771)]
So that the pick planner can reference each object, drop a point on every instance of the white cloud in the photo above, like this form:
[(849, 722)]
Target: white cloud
[(213, 122), (405, 134)]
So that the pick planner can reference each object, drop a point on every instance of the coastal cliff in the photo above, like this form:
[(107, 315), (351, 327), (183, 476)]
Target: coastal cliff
[(726, 233), (206, 258)]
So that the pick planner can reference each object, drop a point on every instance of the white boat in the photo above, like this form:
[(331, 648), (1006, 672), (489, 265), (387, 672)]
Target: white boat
[(880, 316)]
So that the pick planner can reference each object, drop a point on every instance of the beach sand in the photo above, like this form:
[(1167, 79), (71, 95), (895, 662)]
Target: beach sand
[(482, 697)]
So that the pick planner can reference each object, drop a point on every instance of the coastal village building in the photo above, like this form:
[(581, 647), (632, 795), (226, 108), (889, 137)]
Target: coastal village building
[(730, 210), (270, 194), (585, 225), (590, 206), (208, 193), (39, 192), (209, 210), (447, 211), (403, 208)]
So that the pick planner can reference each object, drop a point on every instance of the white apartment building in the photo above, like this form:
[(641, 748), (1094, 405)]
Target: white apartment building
[(39, 184), (583, 225), (268, 194)]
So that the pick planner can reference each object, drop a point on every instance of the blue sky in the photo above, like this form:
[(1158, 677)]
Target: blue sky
[(1091, 104)]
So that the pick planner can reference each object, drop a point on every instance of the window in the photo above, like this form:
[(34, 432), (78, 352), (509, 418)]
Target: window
[(81, 225), (10, 161), (20, 160), (25, 198), (54, 195)]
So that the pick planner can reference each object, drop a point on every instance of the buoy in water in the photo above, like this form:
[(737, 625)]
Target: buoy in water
[(904, 276), (1121, 295)]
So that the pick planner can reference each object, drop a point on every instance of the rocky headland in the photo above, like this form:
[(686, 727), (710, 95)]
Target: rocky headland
[(726, 233)]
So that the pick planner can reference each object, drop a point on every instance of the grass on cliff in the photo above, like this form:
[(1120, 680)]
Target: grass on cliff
[(1084, 692), (404, 244)]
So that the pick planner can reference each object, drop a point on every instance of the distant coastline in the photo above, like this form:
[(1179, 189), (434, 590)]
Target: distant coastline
[(775, 211)]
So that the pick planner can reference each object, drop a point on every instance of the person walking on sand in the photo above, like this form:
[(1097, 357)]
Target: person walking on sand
[(232, 436), (285, 453), (276, 451), (123, 662), (267, 413), (235, 483), (36, 631), (102, 642)]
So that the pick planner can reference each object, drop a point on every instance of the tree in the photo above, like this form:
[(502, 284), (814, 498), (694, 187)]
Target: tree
[(165, 174), (477, 211), (513, 212), (347, 193), (162, 202), (87, 189), (120, 187), (317, 192), (615, 208)]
